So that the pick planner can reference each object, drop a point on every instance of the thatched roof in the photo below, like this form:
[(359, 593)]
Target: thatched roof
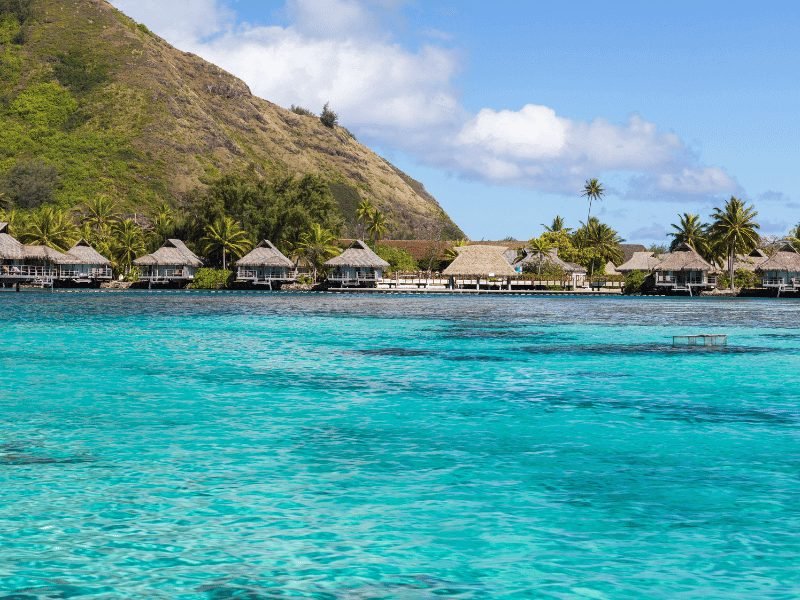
[(550, 258), (172, 253), (786, 259), (357, 255), (82, 253), (480, 261), (628, 250), (640, 261), (684, 258), (44, 254), (750, 262), (264, 255), (611, 269), (10, 248)]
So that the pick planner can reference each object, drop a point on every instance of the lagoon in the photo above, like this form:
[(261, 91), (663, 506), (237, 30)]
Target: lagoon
[(278, 445)]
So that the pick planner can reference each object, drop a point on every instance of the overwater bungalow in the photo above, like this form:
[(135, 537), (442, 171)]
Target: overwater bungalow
[(480, 263), (85, 265), (265, 265), (639, 261), (172, 263), (781, 271), (357, 266), (11, 253), (684, 270), (27, 263), (535, 261)]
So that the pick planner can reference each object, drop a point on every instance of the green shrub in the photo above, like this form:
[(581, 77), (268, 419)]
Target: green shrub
[(45, 105), (74, 70), (635, 282), (398, 259), (9, 29), (211, 279), (299, 110), (31, 183), (21, 10), (328, 117), (742, 278)]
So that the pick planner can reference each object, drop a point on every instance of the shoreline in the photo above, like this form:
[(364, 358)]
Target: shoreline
[(393, 292)]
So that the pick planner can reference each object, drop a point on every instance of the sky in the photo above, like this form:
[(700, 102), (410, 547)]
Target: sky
[(503, 109)]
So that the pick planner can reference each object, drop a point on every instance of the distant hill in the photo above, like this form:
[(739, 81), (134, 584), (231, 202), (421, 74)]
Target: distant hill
[(114, 109)]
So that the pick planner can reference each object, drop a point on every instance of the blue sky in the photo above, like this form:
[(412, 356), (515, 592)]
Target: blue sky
[(502, 109)]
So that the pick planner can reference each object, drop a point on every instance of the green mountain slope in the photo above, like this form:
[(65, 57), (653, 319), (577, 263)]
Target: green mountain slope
[(110, 108)]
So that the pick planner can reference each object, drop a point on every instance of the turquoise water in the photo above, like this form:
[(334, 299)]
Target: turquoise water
[(234, 445)]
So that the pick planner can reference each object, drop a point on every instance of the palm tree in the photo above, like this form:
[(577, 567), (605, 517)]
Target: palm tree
[(14, 219), (690, 230), (100, 212), (128, 243), (539, 247), (593, 190), (733, 230), (557, 225), (227, 236), (451, 253), (317, 245), (794, 237), (603, 242), (364, 213), (377, 227), (52, 227), (163, 219)]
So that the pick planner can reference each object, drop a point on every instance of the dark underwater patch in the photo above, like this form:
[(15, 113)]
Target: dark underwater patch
[(31, 459), (668, 411), (405, 352), (476, 358), (640, 349)]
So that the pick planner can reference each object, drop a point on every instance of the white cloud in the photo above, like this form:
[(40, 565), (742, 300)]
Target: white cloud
[(340, 51), (182, 23), (696, 181), (531, 134), (375, 86)]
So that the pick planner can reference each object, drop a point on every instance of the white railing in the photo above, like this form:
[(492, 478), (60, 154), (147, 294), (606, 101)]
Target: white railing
[(166, 275), (27, 271), (98, 273), (256, 275), (682, 282), (781, 282), (357, 278)]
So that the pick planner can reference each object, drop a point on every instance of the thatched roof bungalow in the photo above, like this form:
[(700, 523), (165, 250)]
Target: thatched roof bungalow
[(84, 264), (358, 266), (11, 250), (781, 271), (684, 270), (24, 262), (480, 261), (173, 262), (639, 261), (265, 265)]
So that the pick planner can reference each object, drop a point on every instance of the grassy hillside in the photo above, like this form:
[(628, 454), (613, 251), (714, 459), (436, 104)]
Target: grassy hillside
[(96, 104)]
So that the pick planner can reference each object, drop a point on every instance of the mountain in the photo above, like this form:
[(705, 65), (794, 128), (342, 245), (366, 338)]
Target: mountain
[(101, 105)]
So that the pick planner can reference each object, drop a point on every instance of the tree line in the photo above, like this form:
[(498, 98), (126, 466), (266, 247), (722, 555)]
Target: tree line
[(223, 222)]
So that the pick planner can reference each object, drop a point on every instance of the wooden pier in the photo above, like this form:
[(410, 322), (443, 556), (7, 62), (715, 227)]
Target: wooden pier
[(702, 339)]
